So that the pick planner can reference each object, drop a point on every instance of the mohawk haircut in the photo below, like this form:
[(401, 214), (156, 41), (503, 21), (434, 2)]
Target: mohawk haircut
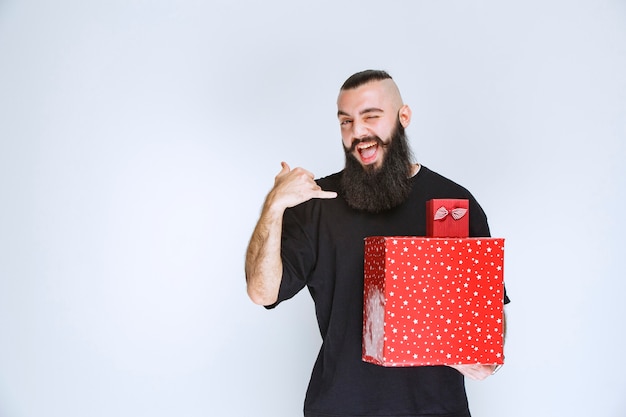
[(364, 77)]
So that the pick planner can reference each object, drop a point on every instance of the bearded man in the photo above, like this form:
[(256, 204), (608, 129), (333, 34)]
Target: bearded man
[(310, 233)]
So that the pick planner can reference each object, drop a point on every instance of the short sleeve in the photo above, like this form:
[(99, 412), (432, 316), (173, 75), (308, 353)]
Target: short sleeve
[(297, 255)]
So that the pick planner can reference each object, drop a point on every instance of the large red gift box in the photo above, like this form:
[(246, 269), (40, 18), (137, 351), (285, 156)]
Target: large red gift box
[(433, 301)]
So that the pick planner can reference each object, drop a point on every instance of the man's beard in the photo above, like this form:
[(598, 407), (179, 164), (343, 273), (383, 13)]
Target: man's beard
[(377, 189)]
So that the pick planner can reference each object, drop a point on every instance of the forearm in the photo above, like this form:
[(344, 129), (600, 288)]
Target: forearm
[(263, 261), (264, 267)]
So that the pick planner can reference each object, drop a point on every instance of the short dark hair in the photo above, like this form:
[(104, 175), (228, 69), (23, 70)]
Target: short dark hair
[(364, 77)]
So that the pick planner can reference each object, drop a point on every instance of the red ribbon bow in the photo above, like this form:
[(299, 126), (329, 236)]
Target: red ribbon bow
[(456, 213)]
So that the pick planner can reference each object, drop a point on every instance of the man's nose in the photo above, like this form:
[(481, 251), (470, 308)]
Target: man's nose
[(359, 130)]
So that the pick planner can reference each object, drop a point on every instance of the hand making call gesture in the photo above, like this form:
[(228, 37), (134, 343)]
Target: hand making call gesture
[(292, 187), (263, 261)]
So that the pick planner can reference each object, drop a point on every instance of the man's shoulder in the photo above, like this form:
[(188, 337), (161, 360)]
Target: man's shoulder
[(430, 175), (330, 182), (428, 178)]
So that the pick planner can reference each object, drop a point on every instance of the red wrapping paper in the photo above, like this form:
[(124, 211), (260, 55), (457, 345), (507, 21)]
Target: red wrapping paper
[(433, 301)]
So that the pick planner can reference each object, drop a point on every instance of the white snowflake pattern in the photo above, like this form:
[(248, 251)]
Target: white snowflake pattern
[(443, 269)]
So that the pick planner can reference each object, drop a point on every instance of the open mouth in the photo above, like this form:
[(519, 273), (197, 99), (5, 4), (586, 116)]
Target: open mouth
[(367, 151)]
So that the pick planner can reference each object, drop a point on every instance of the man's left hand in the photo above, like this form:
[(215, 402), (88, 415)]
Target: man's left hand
[(475, 371)]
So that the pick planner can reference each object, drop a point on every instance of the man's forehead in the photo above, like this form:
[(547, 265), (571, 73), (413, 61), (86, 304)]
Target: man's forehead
[(382, 93)]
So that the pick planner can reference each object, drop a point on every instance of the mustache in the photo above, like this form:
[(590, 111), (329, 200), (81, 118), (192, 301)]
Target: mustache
[(356, 142)]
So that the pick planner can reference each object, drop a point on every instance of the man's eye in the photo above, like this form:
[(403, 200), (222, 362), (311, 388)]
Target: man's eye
[(345, 122), (374, 116)]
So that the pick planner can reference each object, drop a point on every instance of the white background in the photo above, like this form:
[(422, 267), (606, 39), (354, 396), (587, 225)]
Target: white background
[(139, 138)]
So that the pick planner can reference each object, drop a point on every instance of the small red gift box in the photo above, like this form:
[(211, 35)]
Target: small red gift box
[(447, 218), (433, 301)]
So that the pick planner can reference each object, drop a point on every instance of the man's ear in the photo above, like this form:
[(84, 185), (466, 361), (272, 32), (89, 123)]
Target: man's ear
[(404, 115)]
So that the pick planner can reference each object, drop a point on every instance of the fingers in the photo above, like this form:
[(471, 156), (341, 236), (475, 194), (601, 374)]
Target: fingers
[(295, 186), (325, 194), (480, 372), (286, 169), (296, 174), (477, 372)]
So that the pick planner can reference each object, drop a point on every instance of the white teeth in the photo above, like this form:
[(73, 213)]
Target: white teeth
[(362, 146)]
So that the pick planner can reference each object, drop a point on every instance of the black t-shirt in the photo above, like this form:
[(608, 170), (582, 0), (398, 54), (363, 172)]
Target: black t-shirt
[(322, 248)]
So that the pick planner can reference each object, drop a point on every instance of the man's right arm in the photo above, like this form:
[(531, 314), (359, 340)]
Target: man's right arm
[(264, 267)]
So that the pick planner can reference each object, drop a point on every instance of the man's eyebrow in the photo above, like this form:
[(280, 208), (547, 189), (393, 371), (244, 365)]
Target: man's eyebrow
[(362, 112), (371, 110)]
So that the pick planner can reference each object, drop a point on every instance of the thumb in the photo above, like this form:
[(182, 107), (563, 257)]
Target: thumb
[(285, 168)]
